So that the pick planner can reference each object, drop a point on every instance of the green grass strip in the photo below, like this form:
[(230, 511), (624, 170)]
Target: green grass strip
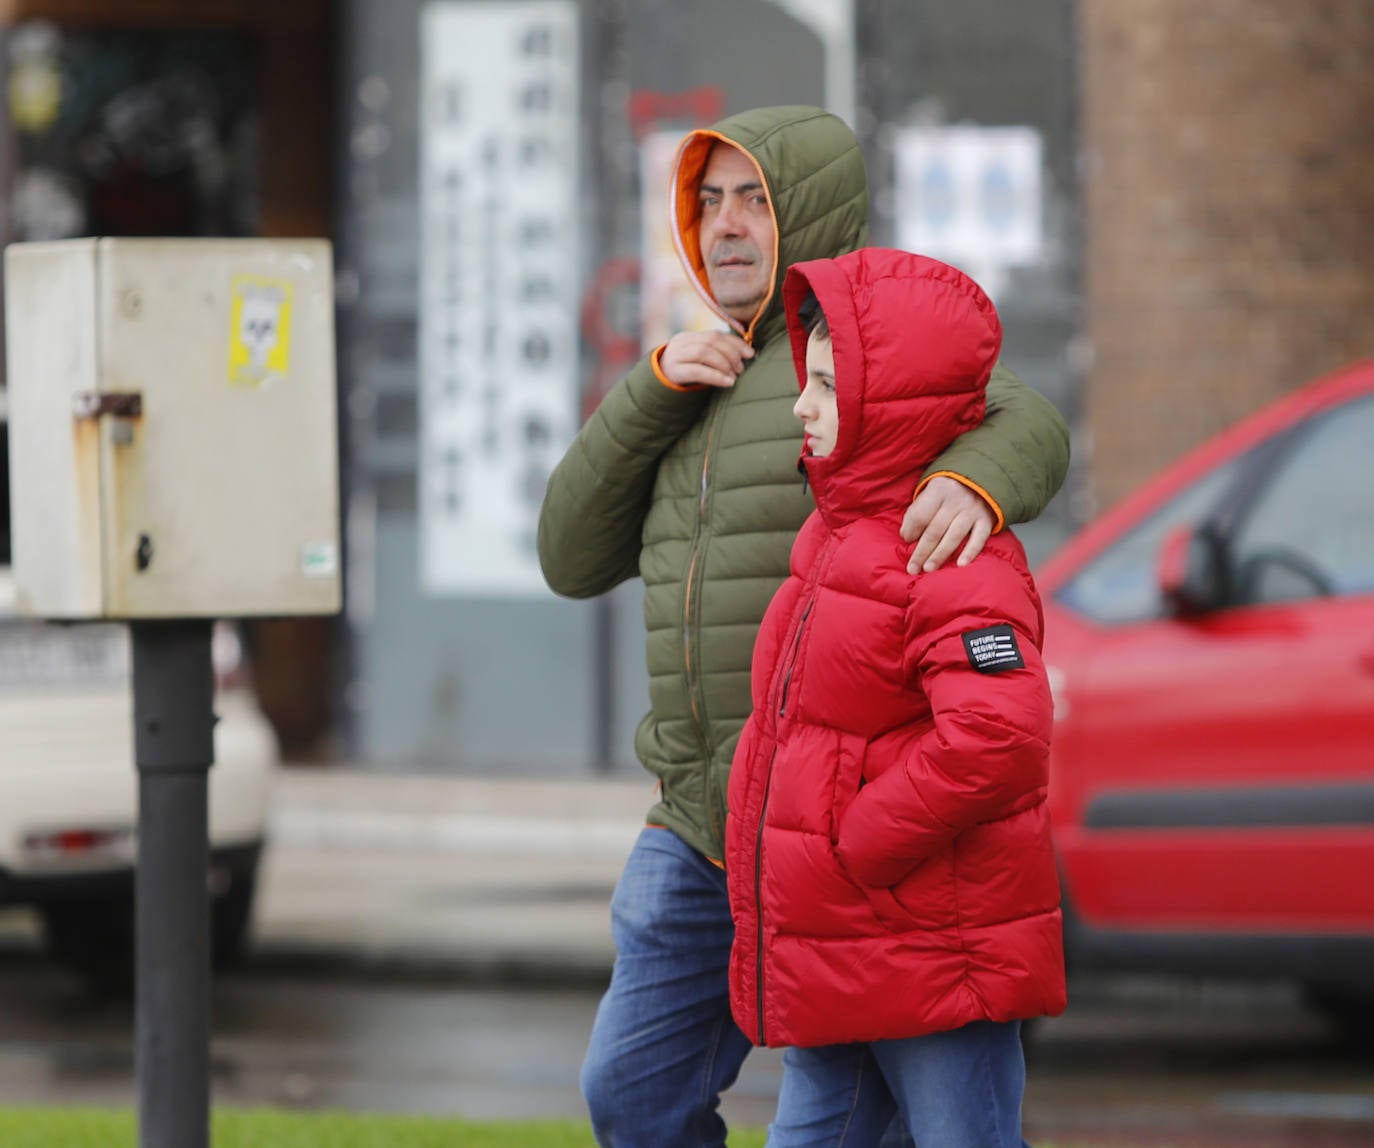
[(87, 1128), (269, 1128)]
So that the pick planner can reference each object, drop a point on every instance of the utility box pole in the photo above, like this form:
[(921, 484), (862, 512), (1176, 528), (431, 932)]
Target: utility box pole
[(173, 461)]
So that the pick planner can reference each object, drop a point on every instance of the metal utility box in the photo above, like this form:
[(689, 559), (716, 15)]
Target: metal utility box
[(173, 437)]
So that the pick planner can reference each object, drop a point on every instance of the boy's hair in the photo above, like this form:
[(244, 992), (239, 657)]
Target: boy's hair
[(812, 317)]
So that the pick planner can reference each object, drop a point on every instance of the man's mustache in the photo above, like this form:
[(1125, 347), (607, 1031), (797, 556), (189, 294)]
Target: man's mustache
[(731, 250)]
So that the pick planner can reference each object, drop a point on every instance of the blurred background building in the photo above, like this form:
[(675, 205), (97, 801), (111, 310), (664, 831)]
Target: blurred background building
[(1170, 202)]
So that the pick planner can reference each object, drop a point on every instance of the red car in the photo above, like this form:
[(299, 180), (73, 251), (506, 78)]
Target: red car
[(1211, 649)]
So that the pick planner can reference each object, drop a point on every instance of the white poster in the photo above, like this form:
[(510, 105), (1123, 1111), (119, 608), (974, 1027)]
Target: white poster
[(970, 195), (498, 285)]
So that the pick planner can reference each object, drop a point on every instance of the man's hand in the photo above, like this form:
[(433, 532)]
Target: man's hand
[(712, 358), (942, 516)]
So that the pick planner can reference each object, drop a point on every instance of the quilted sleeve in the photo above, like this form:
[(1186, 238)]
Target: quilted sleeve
[(1017, 458), (592, 519), (974, 646)]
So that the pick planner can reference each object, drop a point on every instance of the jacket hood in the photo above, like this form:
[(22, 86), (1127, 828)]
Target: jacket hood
[(813, 172), (915, 341)]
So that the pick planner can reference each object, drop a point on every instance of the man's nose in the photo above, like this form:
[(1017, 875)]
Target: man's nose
[(728, 218), (799, 407)]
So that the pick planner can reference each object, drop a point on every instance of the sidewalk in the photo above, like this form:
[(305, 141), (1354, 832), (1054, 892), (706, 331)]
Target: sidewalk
[(445, 877)]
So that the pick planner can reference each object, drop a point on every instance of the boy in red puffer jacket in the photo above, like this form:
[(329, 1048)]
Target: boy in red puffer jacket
[(888, 847)]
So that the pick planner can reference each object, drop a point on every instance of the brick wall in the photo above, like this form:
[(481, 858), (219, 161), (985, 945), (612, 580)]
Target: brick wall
[(1228, 166)]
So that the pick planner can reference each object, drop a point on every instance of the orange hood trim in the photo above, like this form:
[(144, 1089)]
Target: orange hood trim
[(684, 219)]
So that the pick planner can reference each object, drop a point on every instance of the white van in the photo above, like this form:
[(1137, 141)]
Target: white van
[(69, 789)]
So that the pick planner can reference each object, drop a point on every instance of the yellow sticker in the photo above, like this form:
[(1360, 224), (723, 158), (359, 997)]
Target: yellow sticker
[(260, 331), (35, 92)]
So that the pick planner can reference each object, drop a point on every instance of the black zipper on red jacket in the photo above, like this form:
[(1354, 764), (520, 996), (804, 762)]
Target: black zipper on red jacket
[(758, 884), (792, 664), (763, 812)]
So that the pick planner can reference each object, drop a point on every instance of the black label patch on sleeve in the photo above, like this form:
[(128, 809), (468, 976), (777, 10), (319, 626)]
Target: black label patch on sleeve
[(993, 650)]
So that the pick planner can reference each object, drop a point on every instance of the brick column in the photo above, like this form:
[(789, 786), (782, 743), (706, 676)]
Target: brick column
[(1228, 171)]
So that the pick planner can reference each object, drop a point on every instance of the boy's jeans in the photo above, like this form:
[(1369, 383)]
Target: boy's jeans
[(664, 1046), (959, 1089)]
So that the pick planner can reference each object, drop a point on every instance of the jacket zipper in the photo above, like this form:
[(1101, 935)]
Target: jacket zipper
[(692, 699), (813, 582), (687, 637), (763, 813), (758, 886), (768, 792), (792, 663)]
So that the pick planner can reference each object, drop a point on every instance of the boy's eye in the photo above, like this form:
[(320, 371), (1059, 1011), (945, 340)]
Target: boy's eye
[(829, 386)]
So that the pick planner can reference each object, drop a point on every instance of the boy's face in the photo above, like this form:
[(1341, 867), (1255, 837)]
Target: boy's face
[(817, 408)]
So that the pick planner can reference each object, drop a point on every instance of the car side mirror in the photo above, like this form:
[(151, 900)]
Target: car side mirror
[(1191, 570)]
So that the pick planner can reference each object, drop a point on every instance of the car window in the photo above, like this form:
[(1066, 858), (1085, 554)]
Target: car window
[(1311, 530), (1119, 585)]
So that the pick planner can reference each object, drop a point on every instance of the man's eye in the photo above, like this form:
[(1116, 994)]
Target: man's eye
[(829, 387)]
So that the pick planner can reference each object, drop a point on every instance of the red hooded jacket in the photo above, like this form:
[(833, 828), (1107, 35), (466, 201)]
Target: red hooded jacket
[(888, 846)]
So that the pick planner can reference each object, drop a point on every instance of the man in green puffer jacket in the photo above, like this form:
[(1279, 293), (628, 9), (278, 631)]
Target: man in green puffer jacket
[(686, 475)]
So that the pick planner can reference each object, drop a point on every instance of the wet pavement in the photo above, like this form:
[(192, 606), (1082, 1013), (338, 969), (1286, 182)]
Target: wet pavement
[(1139, 1064), (1155, 1063), (436, 945)]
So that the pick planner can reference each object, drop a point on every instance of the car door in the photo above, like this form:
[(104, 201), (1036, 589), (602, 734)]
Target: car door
[(1224, 764)]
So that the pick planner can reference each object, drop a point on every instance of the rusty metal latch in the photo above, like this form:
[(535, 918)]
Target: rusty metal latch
[(116, 404)]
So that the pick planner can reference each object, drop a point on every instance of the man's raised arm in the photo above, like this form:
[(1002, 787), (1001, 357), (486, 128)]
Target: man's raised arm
[(1015, 462), (591, 523), (1019, 455)]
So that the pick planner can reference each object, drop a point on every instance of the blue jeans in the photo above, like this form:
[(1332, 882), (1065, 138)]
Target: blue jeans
[(664, 1045), (959, 1089)]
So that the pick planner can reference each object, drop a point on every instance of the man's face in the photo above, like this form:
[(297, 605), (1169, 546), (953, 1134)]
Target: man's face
[(737, 232), (817, 407)]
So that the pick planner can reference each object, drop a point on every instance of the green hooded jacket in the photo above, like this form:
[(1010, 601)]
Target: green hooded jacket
[(697, 490)]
